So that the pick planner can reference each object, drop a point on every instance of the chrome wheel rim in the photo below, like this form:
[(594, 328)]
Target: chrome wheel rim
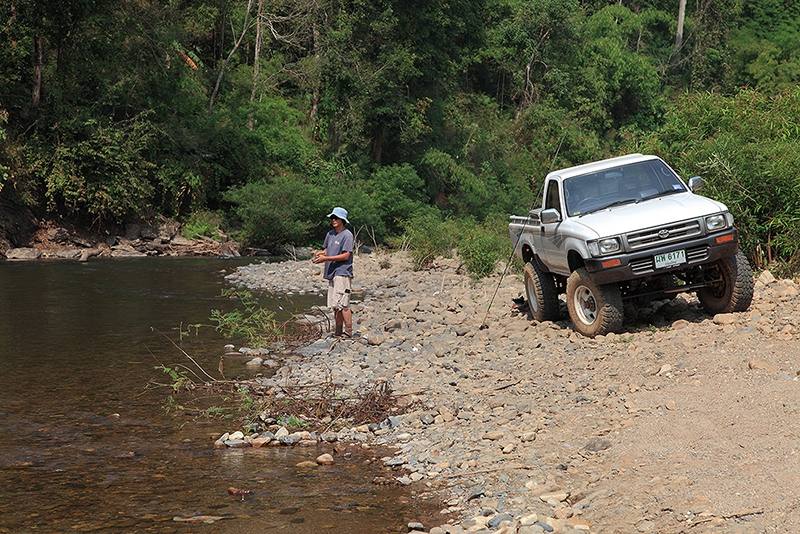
[(585, 305), (533, 304)]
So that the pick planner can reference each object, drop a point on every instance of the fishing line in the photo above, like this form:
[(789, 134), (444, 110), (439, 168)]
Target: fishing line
[(483, 325)]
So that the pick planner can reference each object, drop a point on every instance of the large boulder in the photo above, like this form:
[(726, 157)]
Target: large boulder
[(229, 249), (23, 254), (58, 235)]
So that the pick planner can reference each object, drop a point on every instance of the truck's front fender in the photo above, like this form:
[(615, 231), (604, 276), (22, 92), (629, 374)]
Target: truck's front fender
[(572, 247)]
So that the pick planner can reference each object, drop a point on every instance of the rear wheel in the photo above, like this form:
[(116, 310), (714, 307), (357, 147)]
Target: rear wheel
[(733, 290), (540, 290), (595, 310)]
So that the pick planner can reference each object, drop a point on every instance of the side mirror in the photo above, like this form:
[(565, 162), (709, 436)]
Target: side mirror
[(696, 184), (550, 216)]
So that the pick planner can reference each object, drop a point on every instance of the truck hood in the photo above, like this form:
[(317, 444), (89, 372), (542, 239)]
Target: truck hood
[(654, 212)]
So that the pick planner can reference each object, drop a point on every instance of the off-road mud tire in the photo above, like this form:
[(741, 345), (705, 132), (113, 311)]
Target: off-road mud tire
[(737, 293), (609, 311), (540, 286)]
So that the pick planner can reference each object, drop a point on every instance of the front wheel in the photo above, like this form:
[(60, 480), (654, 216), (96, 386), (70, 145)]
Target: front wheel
[(595, 310), (733, 290)]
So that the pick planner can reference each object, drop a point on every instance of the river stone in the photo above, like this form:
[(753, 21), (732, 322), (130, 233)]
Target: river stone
[(220, 443), (236, 435), (330, 437), (23, 254), (325, 459), (394, 462), (724, 318), (236, 443), (597, 445), (259, 442), (291, 439), (766, 278), (316, 348), (306, 464), (67, 253), (255, 362), (121, 253), (181, 241), (554, 497), (416, 525), (499, 518)]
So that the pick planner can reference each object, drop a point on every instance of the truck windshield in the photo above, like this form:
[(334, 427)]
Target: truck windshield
[(632, 183)]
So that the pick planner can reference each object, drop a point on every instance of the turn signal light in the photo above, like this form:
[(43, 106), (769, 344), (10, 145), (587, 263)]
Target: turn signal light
[(727, 238), (611, 263)]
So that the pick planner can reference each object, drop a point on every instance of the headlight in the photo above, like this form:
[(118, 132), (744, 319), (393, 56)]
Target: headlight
[(716, 222), (607, 246)]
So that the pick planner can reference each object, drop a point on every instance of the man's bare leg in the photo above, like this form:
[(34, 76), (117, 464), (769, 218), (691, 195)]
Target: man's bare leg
[(347, 319), (338, 317)]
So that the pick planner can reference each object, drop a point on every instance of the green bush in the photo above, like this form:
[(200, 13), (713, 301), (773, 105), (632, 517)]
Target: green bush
[(100, 169), (202, 223), (249, 322), (482, 246), (272, 213), (429, 236), (747, 147)]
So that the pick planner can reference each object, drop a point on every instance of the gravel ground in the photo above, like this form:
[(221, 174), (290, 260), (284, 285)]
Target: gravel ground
[(683, 423)]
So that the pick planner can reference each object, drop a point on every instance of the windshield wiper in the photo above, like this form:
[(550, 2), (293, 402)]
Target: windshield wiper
[(615, 203), (661, 194)]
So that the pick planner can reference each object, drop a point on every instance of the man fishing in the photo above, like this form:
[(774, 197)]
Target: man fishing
[(338, 259)]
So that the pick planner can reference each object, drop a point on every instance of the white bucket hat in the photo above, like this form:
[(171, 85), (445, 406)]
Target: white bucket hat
[(339, 213)]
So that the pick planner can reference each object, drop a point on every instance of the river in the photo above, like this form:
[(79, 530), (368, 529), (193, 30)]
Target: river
[(84, 447)]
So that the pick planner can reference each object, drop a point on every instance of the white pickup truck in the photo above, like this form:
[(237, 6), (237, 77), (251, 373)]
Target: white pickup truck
[(626, 228)]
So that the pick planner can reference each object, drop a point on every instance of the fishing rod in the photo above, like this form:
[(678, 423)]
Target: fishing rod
[(483, 325)]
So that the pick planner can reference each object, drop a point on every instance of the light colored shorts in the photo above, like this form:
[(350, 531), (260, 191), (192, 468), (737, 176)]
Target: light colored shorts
[(339, 292)]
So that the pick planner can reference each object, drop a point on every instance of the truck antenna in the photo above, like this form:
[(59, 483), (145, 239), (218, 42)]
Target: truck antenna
[(484, 326)]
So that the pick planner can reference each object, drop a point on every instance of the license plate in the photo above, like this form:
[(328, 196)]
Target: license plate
[(670, 259)]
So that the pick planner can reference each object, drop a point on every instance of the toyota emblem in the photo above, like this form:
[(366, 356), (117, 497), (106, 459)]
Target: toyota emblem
[(663, 234)]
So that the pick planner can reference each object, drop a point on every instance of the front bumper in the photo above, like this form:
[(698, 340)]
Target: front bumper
[(640, 264)]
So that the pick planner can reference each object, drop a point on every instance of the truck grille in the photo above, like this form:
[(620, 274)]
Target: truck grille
[(646, 265), (663, 235)]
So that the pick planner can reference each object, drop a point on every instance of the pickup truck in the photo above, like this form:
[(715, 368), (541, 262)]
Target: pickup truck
[(627, 228)]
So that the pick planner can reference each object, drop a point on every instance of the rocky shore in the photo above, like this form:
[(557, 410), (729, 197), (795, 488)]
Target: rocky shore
[(683, 423), (162, 238)]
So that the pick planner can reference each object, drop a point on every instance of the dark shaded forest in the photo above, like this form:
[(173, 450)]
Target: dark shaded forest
[(423, 118)]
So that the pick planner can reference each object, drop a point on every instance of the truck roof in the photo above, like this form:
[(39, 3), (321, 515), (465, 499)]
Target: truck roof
[(595, 166)]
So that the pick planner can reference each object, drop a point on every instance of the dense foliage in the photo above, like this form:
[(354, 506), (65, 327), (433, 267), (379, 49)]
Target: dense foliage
[(410, 114)]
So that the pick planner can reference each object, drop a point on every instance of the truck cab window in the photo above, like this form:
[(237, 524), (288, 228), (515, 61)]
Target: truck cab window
[(553, 200)]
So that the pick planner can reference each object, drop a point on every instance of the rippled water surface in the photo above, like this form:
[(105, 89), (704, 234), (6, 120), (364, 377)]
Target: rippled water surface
[(83, 447)]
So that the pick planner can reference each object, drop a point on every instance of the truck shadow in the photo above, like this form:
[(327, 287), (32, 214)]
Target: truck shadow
[(639, 317)]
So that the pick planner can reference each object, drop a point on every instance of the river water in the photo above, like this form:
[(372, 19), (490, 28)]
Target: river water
[(84, 447)]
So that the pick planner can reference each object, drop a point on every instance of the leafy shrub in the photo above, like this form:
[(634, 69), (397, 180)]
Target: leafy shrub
[(101, 169), (249, 321), (484, 245), (429, 236), (279, 211), (202, 223), (747, 147)]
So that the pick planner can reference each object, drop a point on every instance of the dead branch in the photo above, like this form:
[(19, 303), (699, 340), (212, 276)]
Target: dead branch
[(185, 354)]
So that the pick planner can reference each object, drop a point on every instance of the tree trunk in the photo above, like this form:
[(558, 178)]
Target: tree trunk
[(256, 60), (312, 113), (38, 55), (245, 26), (377, 145), (681, 17)]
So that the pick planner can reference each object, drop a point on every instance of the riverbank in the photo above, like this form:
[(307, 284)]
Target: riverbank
[(49, 240), (676, 424)]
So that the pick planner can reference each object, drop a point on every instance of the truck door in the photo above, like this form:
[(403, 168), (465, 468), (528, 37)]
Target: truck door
[(549, 242)]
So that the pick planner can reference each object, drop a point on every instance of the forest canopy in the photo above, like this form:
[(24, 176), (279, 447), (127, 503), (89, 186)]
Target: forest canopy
[(268, 112)]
